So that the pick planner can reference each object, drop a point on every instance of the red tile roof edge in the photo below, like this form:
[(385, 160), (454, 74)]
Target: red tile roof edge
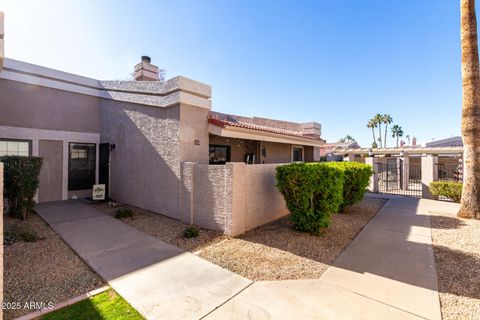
[(223, 123)]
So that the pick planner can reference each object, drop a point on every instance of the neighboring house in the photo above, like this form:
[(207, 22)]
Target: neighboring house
[(328, 149), (448, 142), (132, 135)]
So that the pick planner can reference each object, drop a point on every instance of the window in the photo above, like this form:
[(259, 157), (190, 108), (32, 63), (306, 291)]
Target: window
[(297, 154), (81, 166), (15, 148), (219, 154)]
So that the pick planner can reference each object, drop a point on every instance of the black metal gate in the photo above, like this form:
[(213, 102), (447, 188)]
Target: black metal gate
[(398, 177)]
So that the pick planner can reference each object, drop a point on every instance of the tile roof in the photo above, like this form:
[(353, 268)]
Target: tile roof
[(222, 123)]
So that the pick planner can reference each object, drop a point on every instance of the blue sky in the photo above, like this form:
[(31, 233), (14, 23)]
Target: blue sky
[(334, 62)]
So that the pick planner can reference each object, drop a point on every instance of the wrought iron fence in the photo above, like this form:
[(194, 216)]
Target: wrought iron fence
[(397, 177), (450, 172)]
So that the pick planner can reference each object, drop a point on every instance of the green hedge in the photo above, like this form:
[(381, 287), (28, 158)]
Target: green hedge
[(448, 189), (312, 191), (356, 179), (21, 183)]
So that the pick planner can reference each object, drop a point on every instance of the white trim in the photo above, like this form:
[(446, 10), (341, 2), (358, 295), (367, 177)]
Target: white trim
[(43, 134), (241, 133)]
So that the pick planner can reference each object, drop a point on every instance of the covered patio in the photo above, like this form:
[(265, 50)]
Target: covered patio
[(261, 141)]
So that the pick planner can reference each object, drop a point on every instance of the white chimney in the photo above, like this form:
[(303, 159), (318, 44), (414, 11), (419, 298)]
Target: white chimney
[(145, 71)]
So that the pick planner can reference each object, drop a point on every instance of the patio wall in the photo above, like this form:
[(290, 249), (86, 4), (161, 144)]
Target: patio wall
[(233, 198)]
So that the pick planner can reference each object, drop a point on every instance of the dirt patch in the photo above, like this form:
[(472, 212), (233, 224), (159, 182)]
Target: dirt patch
[(43, 271), (456, 245)]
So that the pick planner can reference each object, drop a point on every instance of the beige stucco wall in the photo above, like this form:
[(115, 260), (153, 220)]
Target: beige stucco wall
[(31, 106), (145, 165), (256, 199), (232, 198), (193, 128)]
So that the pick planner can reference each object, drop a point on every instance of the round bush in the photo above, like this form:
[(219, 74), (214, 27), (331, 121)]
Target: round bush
[(356, 179), (312, 191)]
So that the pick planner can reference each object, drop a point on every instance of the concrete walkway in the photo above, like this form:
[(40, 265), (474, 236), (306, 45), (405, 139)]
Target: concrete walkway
[(387, 272), (160, 280)]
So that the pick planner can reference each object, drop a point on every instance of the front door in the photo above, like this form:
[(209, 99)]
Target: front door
[(51, 174)]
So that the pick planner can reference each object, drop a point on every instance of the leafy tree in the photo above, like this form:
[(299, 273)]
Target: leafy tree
[(348, 138)]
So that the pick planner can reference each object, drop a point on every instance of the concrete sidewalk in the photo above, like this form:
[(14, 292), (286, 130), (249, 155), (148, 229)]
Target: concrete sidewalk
[(161, 281), (387, 272)]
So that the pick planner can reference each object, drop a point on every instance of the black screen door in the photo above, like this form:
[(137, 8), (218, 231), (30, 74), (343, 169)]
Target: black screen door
[(81, 166), (103, 166)]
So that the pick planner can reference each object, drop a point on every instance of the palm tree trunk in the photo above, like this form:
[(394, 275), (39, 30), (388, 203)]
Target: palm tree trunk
[(385, 141), (470, 203), (380, 135), (397, 140), (373, 133)]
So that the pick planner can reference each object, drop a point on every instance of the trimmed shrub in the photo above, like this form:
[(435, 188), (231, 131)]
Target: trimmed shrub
[(312, 191), (21, 183), (191, 232), (356, 179), (123, 213), (449, 189)]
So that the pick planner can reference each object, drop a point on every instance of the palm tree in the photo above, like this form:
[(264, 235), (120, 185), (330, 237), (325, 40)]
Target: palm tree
[(378, 121), (386, 119), (397, 132), (371, 124), (470, 203), (408, 138)]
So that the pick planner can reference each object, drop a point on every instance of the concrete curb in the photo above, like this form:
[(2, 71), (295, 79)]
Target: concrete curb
[(41, 312)]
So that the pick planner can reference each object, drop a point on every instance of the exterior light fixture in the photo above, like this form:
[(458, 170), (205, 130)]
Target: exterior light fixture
[(370, 153), (111, 147), (401, 153)]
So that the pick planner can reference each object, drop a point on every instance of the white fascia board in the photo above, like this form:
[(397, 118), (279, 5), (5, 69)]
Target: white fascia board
[(241, 133)]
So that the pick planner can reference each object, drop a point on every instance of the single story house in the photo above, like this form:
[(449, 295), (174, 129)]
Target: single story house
[(135, 137)]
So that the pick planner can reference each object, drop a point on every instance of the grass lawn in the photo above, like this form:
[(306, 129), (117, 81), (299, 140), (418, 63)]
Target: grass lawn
[(106, 305)]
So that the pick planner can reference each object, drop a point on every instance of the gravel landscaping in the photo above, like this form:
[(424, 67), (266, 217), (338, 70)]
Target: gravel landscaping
[(43, 271), (271, 252), (456, 245), (277, 252), (164, 228)]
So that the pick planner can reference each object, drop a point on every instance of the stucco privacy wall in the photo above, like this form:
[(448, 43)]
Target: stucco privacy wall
[(233, 198)]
